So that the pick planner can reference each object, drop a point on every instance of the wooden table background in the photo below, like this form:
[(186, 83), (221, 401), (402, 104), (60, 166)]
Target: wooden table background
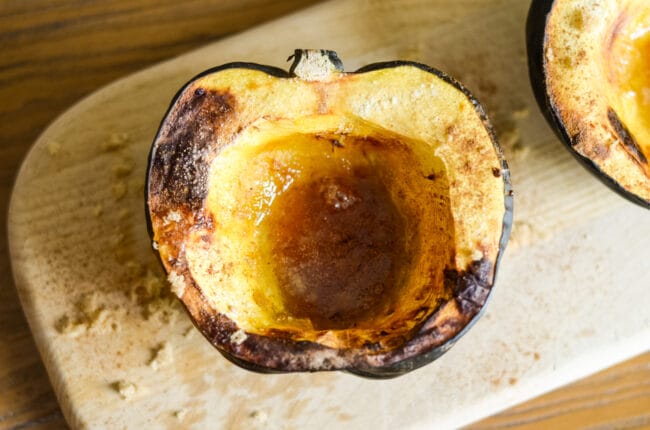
[(54, 53)]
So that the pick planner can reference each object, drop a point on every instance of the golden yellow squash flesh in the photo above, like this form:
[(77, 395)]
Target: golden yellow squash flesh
[(318, 219)]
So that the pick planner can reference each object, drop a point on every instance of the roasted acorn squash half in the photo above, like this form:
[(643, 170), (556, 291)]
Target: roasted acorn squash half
[(321, 220), (589, 64)]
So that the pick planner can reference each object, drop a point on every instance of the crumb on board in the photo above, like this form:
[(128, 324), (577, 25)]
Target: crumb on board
[(180, 414), (98, 210), (124, 213), (521, 113), (53, 148), (161, 356), (69, 326), (115, 142), (259, 416), (153, 285), (519, 151), (509, 137), (134, 269), (525, 233), (162, 310), (122, 169), (117, 238), (151, 293), (148, 293), (119, 190), (510, 140), (87, 316), (125, 389)]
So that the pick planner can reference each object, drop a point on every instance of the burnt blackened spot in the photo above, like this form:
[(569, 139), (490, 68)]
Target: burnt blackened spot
[(496, 172), (628, 141), (373, 346), (335, 142), (432, 177), (185, 146), (472, 286), (575, 139)]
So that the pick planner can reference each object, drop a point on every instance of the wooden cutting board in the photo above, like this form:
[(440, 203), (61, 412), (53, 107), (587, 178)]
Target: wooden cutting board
[(571, 297)]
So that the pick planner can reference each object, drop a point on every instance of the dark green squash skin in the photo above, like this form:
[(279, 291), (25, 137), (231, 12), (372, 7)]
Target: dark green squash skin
[(406, 365), (535, 38)]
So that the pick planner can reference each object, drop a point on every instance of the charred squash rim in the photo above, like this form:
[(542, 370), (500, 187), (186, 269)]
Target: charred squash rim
[(276, 355), (535, 39)]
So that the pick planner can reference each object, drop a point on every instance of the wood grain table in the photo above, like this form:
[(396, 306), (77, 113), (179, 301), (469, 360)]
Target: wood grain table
[(54, 53)]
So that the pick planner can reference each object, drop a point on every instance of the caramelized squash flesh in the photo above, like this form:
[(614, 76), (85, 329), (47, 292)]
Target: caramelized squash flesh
[(340, 232)]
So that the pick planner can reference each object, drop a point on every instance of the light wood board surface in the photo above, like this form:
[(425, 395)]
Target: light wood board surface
[(561, 309)]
